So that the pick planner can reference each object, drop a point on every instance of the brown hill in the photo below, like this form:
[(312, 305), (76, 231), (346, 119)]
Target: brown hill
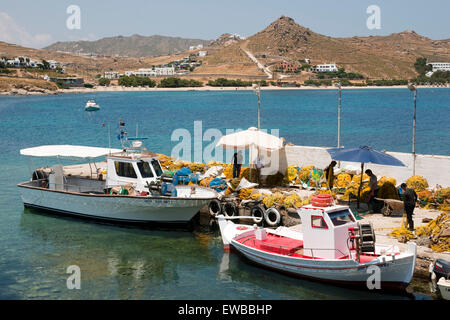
[(386, 57), (132, 46), (87, 67)]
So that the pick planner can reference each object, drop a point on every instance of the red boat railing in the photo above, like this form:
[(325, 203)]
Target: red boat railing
[(284, 249)]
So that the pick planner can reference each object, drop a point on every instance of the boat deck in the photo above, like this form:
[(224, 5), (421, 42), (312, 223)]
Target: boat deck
[(290, 247)]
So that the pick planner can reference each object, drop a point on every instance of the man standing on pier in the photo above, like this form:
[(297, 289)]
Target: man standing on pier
[(329, 174), (409, 202), (237, 163), (373, 184)]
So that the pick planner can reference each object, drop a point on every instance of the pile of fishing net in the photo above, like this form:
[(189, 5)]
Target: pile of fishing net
[(165, 161), (437, 231), (274, 180), (342, 180), (351, 192), (288, 200), (197, 167), (249, 173), (387, 188), (245, 193), (290, 175), (443, 199), (357, 179), (205, 182), (228, 170), (418, 183), (435, 199), (275, 199), (304, 174)]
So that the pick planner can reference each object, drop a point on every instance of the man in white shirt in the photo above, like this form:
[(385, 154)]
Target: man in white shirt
[(259, 165)]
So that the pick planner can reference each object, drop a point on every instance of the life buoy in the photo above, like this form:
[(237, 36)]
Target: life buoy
[(322, 200), (229, 209), (272, 217), (258, 213), (214, 207)]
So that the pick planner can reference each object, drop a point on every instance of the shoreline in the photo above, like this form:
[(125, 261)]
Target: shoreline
[(21, 92)]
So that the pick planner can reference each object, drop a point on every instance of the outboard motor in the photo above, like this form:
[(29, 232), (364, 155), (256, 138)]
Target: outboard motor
[(442, 269)]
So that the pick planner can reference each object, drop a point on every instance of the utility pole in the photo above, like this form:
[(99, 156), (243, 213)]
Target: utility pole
[(339, 116), (339, 119), (257, 90), (413, 88)]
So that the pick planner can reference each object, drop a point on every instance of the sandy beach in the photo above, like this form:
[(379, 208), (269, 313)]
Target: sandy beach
[(208, 88), (21, 92)]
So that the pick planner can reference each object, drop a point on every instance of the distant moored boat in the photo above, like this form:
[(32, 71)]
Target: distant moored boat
[(91, 105)]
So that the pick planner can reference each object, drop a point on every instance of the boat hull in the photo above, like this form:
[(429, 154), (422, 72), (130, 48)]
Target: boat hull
[(390, 271), (121, 209), (393, 274), (444, 288)]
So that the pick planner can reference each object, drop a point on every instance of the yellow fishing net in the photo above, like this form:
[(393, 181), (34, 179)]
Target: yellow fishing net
[(291, 174), (342, 180), (245, 193), (418, 183), (303, 174), (388, 190)]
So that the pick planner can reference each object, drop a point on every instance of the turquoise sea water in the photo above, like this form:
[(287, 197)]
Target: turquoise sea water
[(125, 263)]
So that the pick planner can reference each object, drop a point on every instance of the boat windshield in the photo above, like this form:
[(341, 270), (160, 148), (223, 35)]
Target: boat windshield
[(157, 167), (145, 169), (341, 217)]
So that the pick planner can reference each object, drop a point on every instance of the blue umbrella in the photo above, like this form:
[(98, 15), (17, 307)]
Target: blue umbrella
[(363, 154)]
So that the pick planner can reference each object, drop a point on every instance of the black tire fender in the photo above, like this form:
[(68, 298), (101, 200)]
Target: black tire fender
[(214, 207), (258, 213), (272, 217), (229, 209)]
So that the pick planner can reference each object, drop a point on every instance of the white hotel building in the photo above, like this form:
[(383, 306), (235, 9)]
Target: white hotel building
[(440, 66), (325, 68), (143, 73)]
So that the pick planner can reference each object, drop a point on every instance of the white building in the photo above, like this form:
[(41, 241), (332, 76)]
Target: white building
[(199, 46), (167, 71), (325, 68), (440, 66), (202, 53), (112, 75), (144, 73), (53, 64)]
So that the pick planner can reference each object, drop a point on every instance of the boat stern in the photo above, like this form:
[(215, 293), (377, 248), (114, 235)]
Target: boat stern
[(224, 225)]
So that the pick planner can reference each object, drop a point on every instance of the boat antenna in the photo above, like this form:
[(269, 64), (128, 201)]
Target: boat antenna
[(109, 138)]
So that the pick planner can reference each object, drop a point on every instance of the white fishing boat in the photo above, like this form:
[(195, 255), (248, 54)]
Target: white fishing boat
[(91, 105), (444, 288), (332, 247), (128, 187)]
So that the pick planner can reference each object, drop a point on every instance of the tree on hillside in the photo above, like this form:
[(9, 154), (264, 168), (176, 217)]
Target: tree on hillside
[(104, 82), (44, 65), (421, 66)]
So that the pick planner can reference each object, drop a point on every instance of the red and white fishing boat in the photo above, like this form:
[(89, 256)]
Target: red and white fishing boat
[(332, 247)]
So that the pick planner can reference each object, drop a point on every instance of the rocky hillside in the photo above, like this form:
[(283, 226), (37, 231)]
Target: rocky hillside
[(133, 46), (379, 57)]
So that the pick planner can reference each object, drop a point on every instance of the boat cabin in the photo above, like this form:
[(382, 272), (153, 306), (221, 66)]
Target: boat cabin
[(325, 230), (120, 169), (136, 169)]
